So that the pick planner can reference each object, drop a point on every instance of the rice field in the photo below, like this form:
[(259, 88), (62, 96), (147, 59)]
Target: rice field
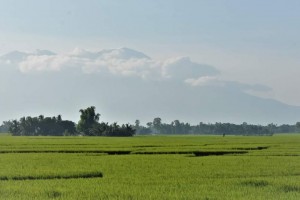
[(150, 167)]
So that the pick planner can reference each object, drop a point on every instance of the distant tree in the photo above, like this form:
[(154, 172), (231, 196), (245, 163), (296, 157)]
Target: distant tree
[(246, 128), (89, 125), (272, 127), (137, 125), (176, 126), (88, 119), (68, 127), (157, 124), (298, 127), (4, 128), (285, 128), (15, 128), (116, 130), (144, 130), (41, 125), (149, 124)]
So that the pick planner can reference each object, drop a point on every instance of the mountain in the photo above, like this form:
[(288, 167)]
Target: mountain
[(123, 53), (18, 56), (78, 52), (125, 97), (14, 57), (41, 52)]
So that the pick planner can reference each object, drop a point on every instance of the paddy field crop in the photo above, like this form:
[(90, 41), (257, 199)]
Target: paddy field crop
[(150, 167)]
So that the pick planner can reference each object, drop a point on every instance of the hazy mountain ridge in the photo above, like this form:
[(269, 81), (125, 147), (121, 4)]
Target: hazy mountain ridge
[(126, 95)]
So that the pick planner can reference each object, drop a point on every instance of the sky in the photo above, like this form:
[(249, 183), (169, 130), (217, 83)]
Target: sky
[(253, 45)]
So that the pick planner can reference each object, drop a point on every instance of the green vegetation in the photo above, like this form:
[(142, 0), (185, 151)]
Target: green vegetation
[(31, 126), (218, 128), (150, 167), (89, 125)]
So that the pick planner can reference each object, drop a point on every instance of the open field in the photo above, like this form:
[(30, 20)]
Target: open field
[(150, 167)]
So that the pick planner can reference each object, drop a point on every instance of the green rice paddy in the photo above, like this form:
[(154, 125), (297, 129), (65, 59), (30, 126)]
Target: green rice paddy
[(150, 167)]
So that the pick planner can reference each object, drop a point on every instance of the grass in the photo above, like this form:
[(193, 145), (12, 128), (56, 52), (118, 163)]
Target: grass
[(156, 167)]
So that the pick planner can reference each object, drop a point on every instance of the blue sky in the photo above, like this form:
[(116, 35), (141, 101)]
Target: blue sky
[(223, 23), (250, 42)]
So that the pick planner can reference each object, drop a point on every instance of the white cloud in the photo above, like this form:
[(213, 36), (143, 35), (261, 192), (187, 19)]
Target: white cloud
[(120, 62), (45, 63), (205, 81), (143, 68), (218, 82), (128, 63), (183, 68), (185, 90)]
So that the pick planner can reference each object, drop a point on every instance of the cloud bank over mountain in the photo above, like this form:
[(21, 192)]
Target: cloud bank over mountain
[(122, 62), (125, 85)]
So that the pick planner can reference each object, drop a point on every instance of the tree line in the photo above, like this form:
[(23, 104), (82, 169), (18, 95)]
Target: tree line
[(88, 125), (31, 126), (218, 128)]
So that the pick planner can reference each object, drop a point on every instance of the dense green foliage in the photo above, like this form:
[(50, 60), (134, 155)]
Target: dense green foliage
[(54, 126), (88, 119), (89, 125), (177, 127), (31, 126), (4, 128), (155, 167)]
